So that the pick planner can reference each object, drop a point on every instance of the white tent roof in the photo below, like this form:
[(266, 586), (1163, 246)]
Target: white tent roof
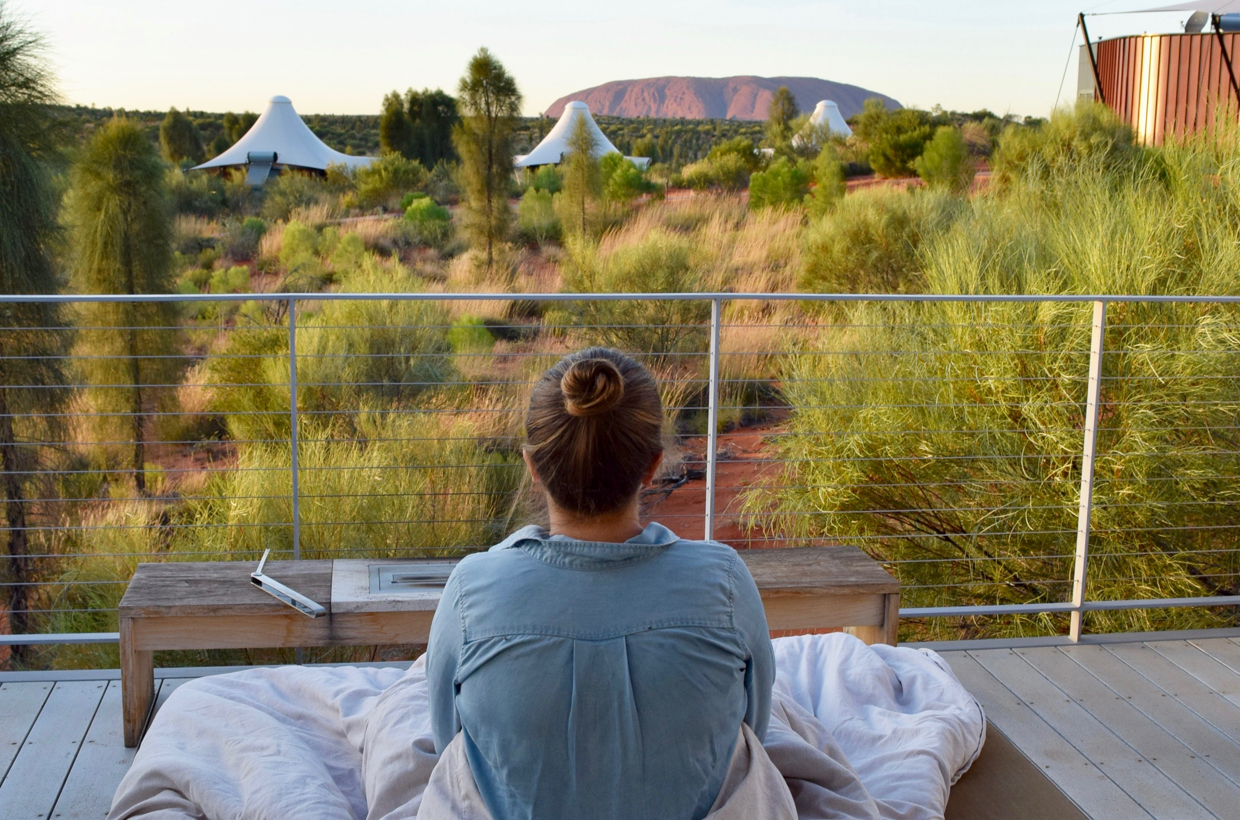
[(555, 145), (279, 129), (828, 113)]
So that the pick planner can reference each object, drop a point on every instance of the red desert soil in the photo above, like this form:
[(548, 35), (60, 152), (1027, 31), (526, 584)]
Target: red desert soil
[(742, 463)]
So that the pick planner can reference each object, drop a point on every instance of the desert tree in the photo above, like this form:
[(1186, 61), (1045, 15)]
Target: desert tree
[(179, 138), (121, 234), (395, 129), (782, 112), (489, 102), (433, 115), (32, 335), (582, 178)]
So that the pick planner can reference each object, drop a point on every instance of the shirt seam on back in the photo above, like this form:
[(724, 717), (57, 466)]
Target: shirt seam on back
[(531, 631)]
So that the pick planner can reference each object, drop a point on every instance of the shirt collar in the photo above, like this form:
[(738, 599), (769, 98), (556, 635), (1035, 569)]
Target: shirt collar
[(562, 550)]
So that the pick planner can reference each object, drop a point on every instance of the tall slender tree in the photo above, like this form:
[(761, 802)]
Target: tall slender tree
[(32, 336), (582, 181), (121, 232), (779, 117), (489, 103)]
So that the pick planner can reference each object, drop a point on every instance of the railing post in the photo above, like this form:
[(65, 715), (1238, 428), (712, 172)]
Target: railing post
[(1080, 570), (292, 418), (712, 418)]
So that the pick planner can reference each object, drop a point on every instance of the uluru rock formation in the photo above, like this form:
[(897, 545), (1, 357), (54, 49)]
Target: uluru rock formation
[(721, 98)]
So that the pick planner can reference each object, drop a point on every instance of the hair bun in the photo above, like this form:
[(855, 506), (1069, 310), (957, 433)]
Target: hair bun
[(591, 386)]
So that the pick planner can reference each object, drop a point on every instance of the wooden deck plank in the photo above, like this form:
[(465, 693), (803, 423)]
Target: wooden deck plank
[(1160, 796), (1215, 675), (1204, 702), (1161, 749), (1083, 782), (1222, 650), (38, 773), (19, 706), (1205, 740), (100, 765)]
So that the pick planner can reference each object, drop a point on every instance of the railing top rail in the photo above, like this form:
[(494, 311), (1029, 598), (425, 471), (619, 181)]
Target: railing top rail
[(588, 297)]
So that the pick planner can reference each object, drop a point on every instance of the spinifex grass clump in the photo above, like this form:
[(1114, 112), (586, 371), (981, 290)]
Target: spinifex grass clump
[(947, 436)]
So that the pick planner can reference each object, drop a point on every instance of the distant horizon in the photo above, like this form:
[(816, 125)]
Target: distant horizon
[(964, 56)]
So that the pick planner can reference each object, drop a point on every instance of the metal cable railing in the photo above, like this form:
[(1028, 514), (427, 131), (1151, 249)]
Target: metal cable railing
[(1018, 460)]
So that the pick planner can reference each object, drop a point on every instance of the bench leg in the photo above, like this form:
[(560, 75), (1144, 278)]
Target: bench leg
[(137, 684), (887, 631)]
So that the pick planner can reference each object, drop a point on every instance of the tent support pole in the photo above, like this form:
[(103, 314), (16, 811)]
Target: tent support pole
[(1093, 61), (1222, 44)]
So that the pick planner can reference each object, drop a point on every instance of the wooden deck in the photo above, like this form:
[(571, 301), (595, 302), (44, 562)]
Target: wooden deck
[(1125, 730)]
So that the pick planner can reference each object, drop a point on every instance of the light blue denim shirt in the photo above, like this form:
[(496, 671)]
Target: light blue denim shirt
[(598, 680)]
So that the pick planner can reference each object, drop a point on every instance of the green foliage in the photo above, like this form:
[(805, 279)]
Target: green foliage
[(349, 253), (583, 180), (34, 337), (386, 180), (782, 112), (536, 216), (622, 181), (1089, 135), (490, 102), (292, 191), (660, 262), (869, 242), (121, 234), (432, 223), (782, 185), (946, 162), (469, 335), (547, 178), (418, 126), (727, 166), (895, 138), (1014, 374), (179, 138), (829, 183), (230, 280), (240, 238)]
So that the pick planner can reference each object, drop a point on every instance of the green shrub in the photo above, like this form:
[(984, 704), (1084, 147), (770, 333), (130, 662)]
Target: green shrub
[(432, 223), (239, 240), (547, 178), (946, 162), (349, 253), (829, 183), (1088, 135), (782, 185), (869, 243), (895, 138), (196, 192), (230, 280), (899, 407), (622, 180), (537, 220), (470, 334), (386, 180), (291, 191), (660, 263), (370, 353)]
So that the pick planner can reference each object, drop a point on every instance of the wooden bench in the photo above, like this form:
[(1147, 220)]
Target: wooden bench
[(213, 605)]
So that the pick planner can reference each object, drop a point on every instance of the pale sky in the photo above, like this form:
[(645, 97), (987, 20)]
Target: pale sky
[(342, 57)]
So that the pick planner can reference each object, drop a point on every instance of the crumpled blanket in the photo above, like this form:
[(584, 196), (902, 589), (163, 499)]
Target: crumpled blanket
[(857, 733)]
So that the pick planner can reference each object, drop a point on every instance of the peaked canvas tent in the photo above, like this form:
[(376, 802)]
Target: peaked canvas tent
[(279, 139), (555, 145), (827, 113)]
